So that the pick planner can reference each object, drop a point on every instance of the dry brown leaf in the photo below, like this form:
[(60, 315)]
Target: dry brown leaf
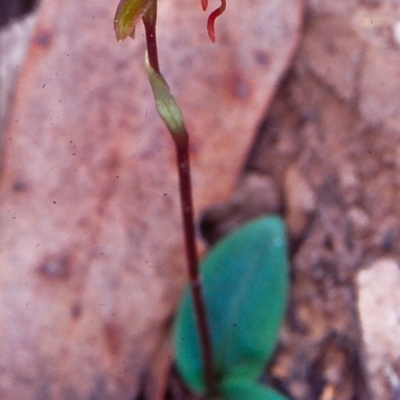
[(91, 247)]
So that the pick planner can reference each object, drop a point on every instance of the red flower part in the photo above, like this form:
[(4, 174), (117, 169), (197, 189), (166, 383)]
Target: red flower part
[(204, 4), (213, 16)]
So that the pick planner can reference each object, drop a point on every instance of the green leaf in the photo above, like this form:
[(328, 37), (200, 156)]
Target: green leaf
[(248, 390), (128, 14), (245, 279), (166, 104)]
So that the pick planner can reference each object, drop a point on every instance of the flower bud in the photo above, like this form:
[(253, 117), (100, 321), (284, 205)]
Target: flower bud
[(129, 12)]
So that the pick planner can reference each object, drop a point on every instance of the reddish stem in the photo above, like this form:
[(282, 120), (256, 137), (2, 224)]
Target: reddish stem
[(151, 40), (185, 189)]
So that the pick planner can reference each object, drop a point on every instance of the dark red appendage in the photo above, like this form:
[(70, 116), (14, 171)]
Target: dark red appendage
[(213, 16)]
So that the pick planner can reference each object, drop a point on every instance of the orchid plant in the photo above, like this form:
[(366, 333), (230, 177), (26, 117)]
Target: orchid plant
[(129, 12), (229, 318)]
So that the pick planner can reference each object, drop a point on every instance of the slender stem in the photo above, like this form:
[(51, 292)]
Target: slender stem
[(151, 38), (185, 189)]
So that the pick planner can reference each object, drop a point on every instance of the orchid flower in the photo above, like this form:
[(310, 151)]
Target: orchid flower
[(129, 12)]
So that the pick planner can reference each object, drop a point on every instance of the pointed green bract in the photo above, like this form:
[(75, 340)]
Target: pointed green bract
[(166, 104), (128, 14), (245, 280)]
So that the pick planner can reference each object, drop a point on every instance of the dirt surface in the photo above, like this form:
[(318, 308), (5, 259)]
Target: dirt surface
[(327, 158)]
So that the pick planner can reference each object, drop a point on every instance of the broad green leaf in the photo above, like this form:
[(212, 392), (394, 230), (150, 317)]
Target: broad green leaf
[(127, 15), (245, 280), (166, 104), (248, 390)]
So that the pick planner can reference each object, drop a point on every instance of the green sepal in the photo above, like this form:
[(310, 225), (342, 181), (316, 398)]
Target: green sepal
[(132, 34), (127, 16)]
